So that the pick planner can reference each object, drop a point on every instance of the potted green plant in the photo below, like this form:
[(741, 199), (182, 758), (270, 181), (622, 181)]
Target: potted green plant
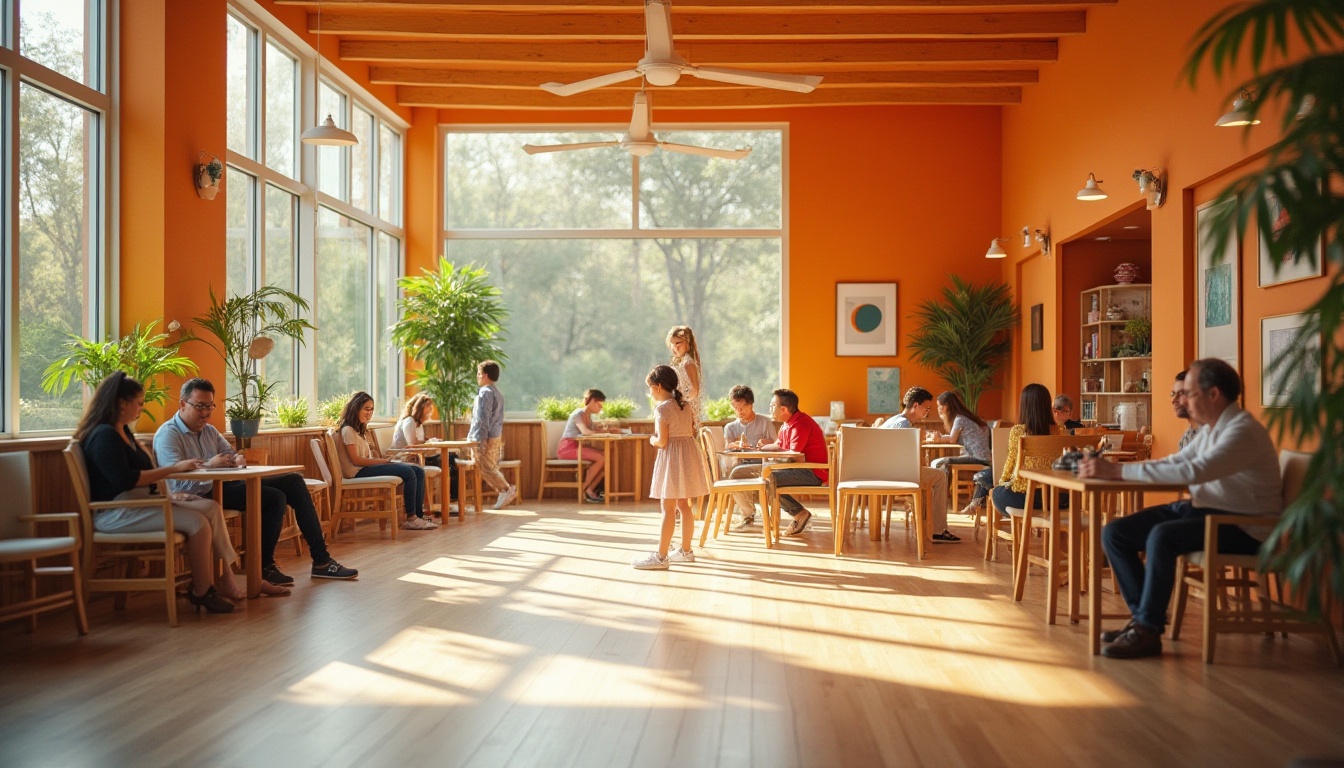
[(1139, 332), (557, 408), (144, 355), (292, 413), (208, 175), (244, 327), (964, 336), (329, 410), (450, 321), (720, 409)]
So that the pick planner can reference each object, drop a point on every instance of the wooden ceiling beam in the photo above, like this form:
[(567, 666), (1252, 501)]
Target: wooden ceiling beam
[(721, 6), (494, 78), (846, 55), (698, 26), (680, 98)]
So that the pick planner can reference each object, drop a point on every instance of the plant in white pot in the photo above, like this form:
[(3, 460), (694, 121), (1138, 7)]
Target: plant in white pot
[(245, 328)]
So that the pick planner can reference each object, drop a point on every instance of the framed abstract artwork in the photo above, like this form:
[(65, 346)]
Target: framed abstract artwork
[(1037, 327), (1218, 293), (1292, 266), (865, 319), (1278, 337)]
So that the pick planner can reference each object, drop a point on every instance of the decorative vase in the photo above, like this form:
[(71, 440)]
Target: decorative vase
[(206, 185), (244, 429), (1126, 273)]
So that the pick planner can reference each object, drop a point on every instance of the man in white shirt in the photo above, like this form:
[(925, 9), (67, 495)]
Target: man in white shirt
[(1232, 467), (747, 431), (1183, 412)]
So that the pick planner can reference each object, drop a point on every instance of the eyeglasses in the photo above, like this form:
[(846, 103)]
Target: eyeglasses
[(202, 407), (1063, 410), (1178, 394)]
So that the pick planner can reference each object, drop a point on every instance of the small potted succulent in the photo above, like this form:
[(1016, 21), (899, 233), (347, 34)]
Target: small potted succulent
[(208, 175)]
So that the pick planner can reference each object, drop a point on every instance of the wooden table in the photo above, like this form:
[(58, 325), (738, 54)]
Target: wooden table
[(930, 451), (611, 460), (444, 448), (251, 514), (1093, 492)]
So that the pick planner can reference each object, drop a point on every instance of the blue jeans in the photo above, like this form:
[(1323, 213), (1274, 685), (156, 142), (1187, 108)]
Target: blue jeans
[(792, 477), (984, 481), (412, 483), (1164, 532), (1005, 497)]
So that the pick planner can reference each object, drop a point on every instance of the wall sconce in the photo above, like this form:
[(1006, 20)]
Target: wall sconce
[(1239, 115), (996, 250), (1040, 236), (207, 174), (1091, 191), (1152, 186)]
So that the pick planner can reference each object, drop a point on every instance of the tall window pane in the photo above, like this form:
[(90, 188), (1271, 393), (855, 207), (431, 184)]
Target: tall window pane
[(388, 389), (331, 159), (361, 162), (238, 238), (58, 150), (343, 318), (282, 106), (687, 191), (52, 33), (279, 269), (241, 91), (389, 175)]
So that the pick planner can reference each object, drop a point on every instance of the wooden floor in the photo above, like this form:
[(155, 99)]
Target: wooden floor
[(523, 638)]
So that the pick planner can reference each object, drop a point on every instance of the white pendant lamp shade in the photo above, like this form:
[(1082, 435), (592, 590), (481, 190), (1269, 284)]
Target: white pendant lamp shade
[(1091, 191), (328, 135), (1238, 116), (995, 250)]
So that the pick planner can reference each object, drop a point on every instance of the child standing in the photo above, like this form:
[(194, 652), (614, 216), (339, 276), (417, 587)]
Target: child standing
[(487, 430), (677, 472), (686, 364)]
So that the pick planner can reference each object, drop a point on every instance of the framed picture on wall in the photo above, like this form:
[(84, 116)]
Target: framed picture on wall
[(884, 390), (865, 319), (1292, 266), (1279, 337), (1037, 327), (1218, 292)]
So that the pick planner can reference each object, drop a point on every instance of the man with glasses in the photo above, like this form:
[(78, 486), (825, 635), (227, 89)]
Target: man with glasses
[(918, 403), (1182, 412), (1064, 414), (189, 435)]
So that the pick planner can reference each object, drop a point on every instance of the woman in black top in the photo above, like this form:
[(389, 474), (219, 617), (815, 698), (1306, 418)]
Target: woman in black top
[(120, 469)]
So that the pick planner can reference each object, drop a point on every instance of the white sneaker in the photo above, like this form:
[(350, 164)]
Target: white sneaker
[(506, 497), (416, 524), (681, 556), (650, 562), (744, 523), (430, 522)]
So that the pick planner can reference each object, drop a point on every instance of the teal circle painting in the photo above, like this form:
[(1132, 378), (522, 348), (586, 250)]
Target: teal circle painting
[(866, 318)]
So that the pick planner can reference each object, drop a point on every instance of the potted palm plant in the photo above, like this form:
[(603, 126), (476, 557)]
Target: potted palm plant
[(245, 328), (963, 337), (144, 355)]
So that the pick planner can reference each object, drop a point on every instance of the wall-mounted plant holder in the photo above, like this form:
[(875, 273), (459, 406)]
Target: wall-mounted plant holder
[(207, 174)]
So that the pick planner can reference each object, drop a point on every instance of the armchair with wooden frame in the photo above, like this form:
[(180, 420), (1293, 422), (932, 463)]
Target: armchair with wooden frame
[(826, 489), (360, 498), (21, 549), (721, 490)]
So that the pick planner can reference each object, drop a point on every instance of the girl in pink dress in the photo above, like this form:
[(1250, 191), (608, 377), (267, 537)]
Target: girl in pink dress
[(678, 472)]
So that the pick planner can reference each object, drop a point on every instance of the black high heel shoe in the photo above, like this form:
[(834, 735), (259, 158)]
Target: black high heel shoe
[(211, 601)]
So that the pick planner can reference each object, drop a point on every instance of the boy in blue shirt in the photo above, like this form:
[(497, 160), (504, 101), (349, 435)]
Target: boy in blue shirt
[(487, 429)]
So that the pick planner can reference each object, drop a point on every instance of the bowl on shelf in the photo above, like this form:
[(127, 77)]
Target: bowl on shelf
[(1126, 273)]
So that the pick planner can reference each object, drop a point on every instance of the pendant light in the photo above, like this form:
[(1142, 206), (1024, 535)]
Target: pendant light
[(328, 134)]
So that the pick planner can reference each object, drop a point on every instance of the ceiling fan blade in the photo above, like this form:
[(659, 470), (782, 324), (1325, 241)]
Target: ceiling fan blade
[(687, 149), (658, 30), (799, 83), (641, 120), (562, 89), (533, 149)]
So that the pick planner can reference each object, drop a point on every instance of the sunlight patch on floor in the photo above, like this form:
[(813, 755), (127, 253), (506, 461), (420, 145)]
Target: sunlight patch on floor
[(564, 680), (339, 683)]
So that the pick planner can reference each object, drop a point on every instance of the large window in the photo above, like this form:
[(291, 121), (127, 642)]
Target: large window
[(323, 222), (598, 253), (55, 270)]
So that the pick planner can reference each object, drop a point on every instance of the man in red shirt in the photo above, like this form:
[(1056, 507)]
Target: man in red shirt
[(800, 433)]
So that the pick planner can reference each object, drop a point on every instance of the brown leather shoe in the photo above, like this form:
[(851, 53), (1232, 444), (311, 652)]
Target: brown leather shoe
[(1135, 643), (1111, 635)]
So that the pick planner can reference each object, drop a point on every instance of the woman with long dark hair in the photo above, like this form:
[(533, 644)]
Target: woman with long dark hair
[(363, 461), (963, 427), (119, 469), (1034, 411), (410, 432)]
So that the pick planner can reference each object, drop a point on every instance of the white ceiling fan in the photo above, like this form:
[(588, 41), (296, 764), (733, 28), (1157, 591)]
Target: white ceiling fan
[(662, 66), (640, 141)]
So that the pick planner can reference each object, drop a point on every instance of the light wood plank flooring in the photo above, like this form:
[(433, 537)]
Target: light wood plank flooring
[(523, 638)]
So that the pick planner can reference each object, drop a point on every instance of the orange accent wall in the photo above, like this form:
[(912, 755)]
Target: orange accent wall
[(876, 194)]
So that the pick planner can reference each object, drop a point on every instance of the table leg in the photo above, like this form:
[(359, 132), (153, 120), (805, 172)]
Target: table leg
[(611, 472), (445, 484), (639, 469), (1094, 572), (1075, 555), (253, 536)]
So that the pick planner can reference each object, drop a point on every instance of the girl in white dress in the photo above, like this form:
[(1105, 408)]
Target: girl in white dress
[(686, 363), (678, 472)]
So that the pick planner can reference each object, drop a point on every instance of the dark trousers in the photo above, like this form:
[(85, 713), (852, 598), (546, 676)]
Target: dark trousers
[(412, 483), (792, 477), (433, 461), (984, 481), (1164, 532), (277, 493), (1005, 497)]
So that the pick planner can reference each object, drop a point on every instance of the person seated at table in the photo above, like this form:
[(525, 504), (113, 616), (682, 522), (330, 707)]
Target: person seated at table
[(190, 435), (580, 424), (747, 431), (800, 433), (1231, 466), (363, 461), (918, 401), (410, 431), (1182, 410), (962, 427), (1063, 414), (119, 469), (1034, 411)]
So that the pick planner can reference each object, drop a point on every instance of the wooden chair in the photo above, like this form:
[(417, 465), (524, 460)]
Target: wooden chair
[(320, 488), (360, 498), (827, 489), (963, 481), (469, 478), (1213, 573), (20, 549), (700, 505), (131, 552), (569, 470), (382, 435), (999, 447), (1039, 452), (876, 464), (721, 490)]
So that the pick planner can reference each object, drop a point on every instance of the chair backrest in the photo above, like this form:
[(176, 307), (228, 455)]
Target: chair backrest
[(716, 440), (337, 457), (867, 453), (380, 436), (553, 429), (1040, 451), (320, 458), (999, 447), (1293, 467), (16, 477), (79, 481), (709, 456)]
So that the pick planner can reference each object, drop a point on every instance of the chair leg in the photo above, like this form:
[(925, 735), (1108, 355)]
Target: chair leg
[(1212, 574)]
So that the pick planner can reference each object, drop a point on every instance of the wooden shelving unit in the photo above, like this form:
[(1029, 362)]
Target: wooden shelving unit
[(1108, 381)]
